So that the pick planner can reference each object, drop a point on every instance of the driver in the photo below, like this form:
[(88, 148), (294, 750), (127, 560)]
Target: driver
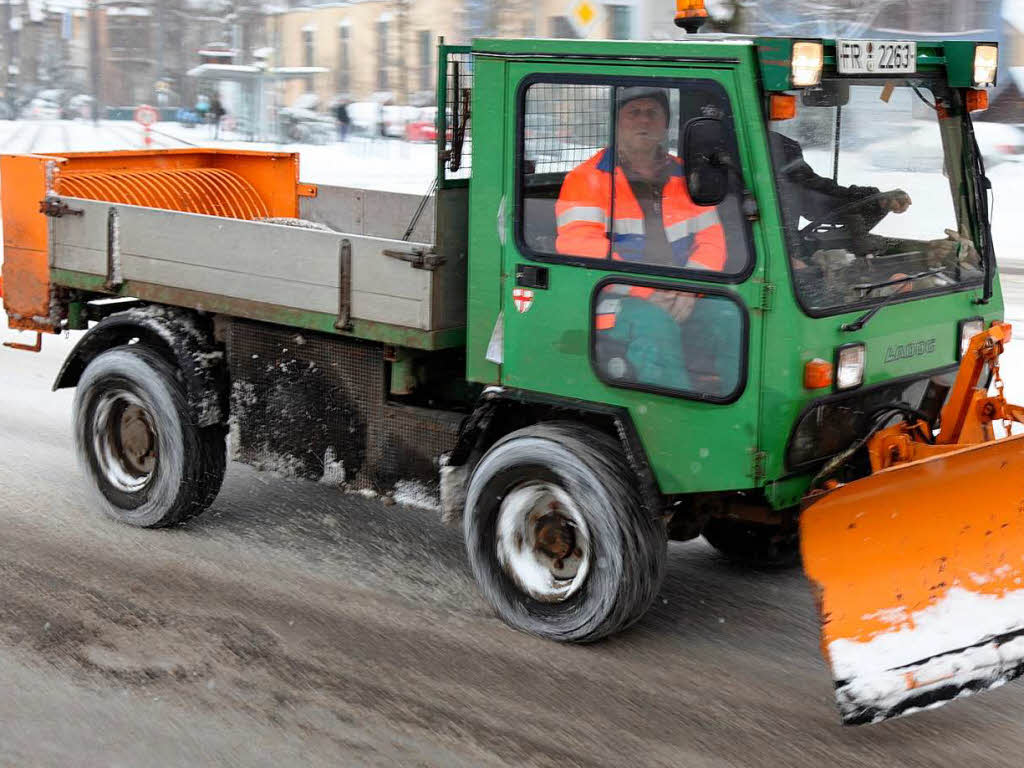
[(650, 219), (805, 193), (655, 221)]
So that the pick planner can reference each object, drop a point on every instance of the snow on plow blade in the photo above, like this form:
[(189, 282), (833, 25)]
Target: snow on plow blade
[(919, 571)]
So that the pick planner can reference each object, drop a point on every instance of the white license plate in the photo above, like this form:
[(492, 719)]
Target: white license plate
[(876, 57)]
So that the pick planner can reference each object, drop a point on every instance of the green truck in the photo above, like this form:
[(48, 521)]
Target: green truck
[(571, 409)]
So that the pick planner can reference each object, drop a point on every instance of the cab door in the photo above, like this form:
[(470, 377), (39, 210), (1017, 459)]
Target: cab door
[(661, 316)]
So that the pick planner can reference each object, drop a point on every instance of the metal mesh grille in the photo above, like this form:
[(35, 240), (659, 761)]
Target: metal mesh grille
[(564, 125), (313, 406), (458, 99)]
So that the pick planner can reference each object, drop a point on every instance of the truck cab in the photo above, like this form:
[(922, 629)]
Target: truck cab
[(829, 300)]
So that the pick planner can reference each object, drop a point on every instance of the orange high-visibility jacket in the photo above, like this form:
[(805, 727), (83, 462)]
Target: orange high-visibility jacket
[(583, 211)]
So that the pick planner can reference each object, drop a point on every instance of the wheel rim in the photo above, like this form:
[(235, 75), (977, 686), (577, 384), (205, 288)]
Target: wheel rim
[(543, 543), (124, 440)]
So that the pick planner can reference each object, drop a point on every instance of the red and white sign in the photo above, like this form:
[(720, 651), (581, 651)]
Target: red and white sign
[(523, 299), (146, 115)]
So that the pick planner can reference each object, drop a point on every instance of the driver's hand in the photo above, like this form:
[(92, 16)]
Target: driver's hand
[(896, 201), (906, 287), (678, 304)]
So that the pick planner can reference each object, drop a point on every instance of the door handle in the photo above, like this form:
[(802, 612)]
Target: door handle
[(532, 276)]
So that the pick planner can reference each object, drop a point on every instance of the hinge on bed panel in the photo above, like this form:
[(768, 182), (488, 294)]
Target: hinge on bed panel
[(418, 258), (115, 277), (55, 207), (343, 322)]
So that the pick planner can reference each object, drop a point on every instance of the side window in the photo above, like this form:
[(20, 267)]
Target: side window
[(675, 341), (576, 137), (564, 125)]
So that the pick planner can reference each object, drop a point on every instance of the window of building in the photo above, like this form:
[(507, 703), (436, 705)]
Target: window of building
[(619, 22), (383, 82), (344, 62), (426, 61), (308, 48)]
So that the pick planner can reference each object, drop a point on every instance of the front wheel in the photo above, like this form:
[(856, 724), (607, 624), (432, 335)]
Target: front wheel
[(147, 463), (558, 537)]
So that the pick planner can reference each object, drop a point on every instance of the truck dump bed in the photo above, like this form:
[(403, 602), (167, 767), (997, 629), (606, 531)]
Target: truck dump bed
[(232, 232)]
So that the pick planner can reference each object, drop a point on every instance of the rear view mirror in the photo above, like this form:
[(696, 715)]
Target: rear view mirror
[(706, 160), (826, 95)]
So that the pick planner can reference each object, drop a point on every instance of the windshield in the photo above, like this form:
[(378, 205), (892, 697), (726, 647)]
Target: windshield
[(870, 183)]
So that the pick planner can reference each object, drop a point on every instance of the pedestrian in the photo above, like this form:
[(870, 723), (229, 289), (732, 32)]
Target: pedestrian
[(217, 112), (341, 113), (202, 107)]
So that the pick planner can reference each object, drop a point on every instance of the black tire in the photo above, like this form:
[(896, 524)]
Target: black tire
[(626, 546), (182, 469), (214, 464), (754, 544)]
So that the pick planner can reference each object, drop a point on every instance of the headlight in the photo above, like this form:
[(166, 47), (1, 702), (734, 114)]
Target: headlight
[(986, 62), (807, 63), (967, 330), (850, 366)]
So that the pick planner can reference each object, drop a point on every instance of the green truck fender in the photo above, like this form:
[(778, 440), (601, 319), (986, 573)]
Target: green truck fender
[(501, 410), (181, 337)]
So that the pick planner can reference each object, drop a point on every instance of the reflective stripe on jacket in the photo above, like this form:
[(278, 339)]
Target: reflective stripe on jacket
[(583, 211)]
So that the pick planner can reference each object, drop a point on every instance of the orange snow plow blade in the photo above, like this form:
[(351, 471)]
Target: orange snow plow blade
[(919, 567), (920, 576)]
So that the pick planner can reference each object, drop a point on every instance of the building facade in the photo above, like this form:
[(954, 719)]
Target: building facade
[(382, 50), (385, 50)]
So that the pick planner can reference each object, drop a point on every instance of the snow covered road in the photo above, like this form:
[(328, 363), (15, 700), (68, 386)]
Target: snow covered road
[(291, 625)]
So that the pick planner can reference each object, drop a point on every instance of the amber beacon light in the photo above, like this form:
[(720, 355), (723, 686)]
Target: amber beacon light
[(690, 14)]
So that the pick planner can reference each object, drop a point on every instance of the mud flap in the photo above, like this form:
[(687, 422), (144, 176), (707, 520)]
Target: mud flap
[(919, 572)]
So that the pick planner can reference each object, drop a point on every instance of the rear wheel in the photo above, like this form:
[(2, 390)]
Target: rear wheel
[(754, 544), (147, 463), (558, 537)]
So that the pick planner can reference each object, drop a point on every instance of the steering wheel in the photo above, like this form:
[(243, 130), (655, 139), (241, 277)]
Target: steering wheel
[(816, 227)]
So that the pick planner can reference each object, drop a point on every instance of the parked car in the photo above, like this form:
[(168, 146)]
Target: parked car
[(395, 118), (922, 147), (78, 106), (303, 124), (365, 118), (424, 127), (41, 109)]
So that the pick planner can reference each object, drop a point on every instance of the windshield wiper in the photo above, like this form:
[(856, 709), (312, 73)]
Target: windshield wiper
[(981, 188), (861, 321)]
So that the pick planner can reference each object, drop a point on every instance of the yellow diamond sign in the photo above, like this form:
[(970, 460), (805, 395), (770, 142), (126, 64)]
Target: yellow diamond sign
[(584, 16)]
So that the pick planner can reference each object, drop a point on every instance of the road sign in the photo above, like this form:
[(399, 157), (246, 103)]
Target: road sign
[(584, 16), (145, 115)]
